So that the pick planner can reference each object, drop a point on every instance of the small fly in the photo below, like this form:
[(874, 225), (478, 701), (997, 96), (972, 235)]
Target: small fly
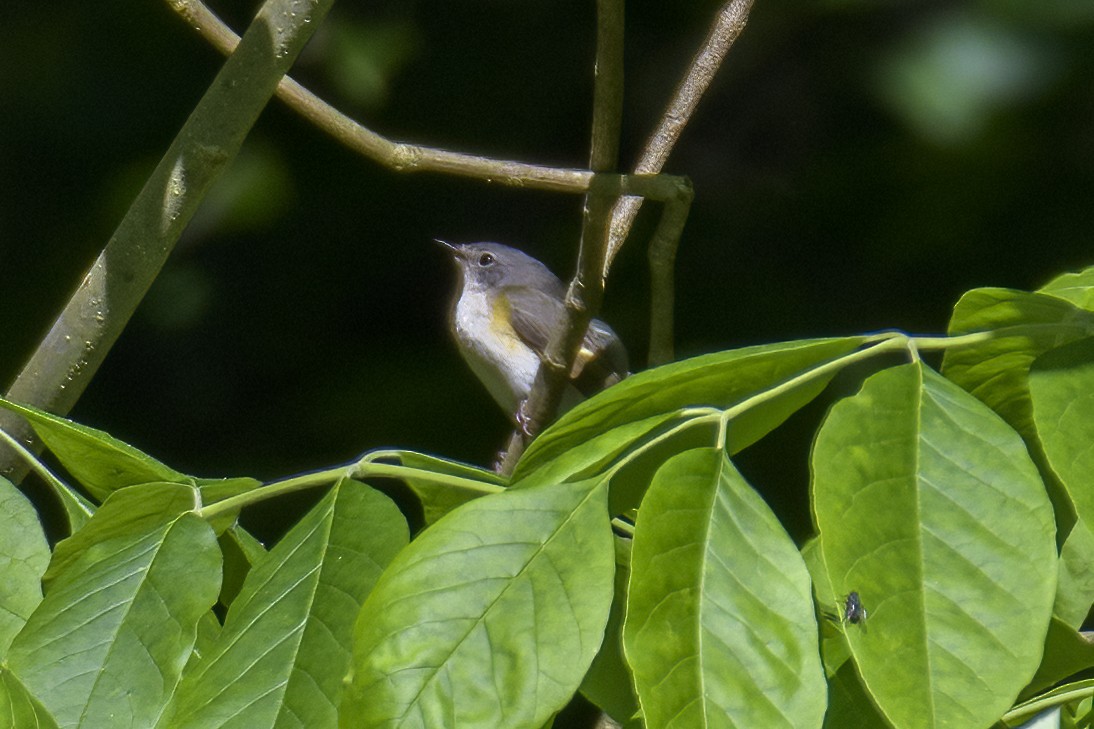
[(853, 610)]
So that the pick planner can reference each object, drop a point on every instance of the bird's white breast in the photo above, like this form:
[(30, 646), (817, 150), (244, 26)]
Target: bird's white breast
[(505, 364)]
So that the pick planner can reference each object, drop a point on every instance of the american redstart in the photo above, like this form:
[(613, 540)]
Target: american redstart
[(505, 309)]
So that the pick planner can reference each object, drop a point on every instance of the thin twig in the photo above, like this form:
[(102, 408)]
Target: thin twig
[(662, 261), (59, 370), (728, 25), (396, 156), (587, 287)]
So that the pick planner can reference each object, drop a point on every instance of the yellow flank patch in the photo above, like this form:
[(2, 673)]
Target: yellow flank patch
[(500, 324)]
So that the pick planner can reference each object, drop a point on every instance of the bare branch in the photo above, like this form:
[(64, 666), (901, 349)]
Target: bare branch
[(396, 156), (61, 367), (587, 287), (727, 28)]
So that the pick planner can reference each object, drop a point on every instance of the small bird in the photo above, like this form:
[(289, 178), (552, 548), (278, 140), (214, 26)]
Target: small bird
[(504, 311)]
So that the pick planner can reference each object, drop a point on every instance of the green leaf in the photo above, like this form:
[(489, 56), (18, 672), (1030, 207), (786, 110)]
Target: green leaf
[(241, 553), (929, 507), (99, 461), (106, 645), (996, 371), (720, 628), (608, 682), (491, 617), (208, 632), (24, 554), (1063, 406), (18, 709), (1075, 582), (1067, 652), (438, 499), (78, 510), (849, 706), (1061, 384), (131, 510), (218, 489), (285, 646), (717, 380), (1078, 288)]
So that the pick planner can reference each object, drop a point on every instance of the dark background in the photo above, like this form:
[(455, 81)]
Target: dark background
[(857, 166)]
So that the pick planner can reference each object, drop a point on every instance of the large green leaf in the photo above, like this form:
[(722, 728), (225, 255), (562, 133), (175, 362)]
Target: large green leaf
[(720, 628), (1061, 385), (930, 508), (106, 645), (1075, 581), (491, 617), (98, 460), (717, 380), (18, 709), (285, 645), (241, 553), (218, 489), (997, 370), (1078, 288), (1067, 652), (128, 511), (437, 499), (24, 554), (607, 683)]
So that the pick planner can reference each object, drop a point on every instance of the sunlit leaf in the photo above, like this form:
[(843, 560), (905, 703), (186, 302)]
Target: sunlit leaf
[(131, 510), (24, 554), (98, 460), (997, 370), (18, 709), (930, 508), (1067, 652), (285, 646), (438, 499), (720, 628), (1060, 383), (1075, 582), (106, 645), (1078, 288), (608, 684), (218, 489), (241, 553), (491, 617), (718, 380)]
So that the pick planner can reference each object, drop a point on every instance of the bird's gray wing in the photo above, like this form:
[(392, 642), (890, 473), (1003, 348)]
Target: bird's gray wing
[(602, 359)]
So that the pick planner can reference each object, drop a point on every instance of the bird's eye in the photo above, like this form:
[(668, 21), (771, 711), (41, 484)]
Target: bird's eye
[(487, 259)]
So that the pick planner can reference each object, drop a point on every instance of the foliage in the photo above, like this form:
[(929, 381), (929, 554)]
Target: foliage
[(953, 503)]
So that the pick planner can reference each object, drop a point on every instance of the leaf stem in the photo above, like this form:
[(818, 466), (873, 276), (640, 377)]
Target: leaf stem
[(77, 508), (362, 469), (1023, 712), (32, 461)]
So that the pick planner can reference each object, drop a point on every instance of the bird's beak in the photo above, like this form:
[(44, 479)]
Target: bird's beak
[(450, 247)]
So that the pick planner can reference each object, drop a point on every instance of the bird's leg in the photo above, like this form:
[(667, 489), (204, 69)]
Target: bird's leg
[(523, 418)]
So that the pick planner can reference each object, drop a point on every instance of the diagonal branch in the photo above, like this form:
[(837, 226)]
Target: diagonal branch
[(727, 28), (587, 287), (69, 355)]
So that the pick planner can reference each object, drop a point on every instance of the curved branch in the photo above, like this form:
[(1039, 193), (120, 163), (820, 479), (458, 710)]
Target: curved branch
[(396, 156)]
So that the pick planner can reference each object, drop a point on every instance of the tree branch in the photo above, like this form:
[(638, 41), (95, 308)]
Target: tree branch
[(69, 355), (586, 290), (396, 156), (727, 28)]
